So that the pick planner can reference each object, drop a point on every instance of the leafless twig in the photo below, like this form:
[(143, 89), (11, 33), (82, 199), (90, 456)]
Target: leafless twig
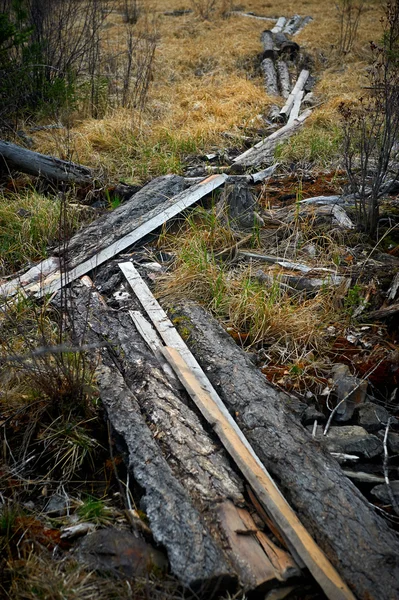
[(386, 471)]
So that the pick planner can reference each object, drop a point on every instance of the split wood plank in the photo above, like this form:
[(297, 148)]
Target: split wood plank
[(181, 202), (282, 562), (294, 114), (209, 403), (279, 26), (245, 547)]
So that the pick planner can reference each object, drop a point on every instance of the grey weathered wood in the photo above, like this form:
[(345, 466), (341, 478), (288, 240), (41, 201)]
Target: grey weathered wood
[(305, 21), (294, 114), (298, 87), (238, 206), (251, 15), (263, 151), (356, 540), (270, 77), (213, 409), (41, 165), (292, 24), (142, 227), (279, 26), (284, 78), (266, 37)]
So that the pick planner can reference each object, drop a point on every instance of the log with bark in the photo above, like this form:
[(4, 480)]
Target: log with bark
[(270, 77), (13, 157), (357, 541), (193, 499)]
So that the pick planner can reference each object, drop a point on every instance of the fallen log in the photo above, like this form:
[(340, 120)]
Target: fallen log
[(305, 21), (138, 228), (192, 497), (284, 78), (279, 26), (292, 24), (267, 40), (357, 541), (382, 313), (264, 151), (270, 77), (13, 157), (212, 408), (297, 89)]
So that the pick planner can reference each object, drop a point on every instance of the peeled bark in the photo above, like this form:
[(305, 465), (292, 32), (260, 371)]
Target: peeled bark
[(357, 542)]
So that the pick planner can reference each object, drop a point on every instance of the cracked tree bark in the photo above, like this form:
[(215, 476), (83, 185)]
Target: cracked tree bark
[(358, 542)]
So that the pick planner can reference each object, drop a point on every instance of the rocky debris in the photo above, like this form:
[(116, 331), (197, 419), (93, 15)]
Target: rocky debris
[(311, 415), (350, 439), (347, 387), (119, 552), (381, 492), (393, 442), (371, 417)]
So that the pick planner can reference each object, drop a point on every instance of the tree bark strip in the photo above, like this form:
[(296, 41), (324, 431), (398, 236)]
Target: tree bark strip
[(357, 541)]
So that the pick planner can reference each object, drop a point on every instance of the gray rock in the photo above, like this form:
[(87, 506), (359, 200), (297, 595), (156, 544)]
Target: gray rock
[(57, 505), (119, 552), (381, 492), (351, 439), (344, 383), (393, 442), (371, 416), (311, 415)]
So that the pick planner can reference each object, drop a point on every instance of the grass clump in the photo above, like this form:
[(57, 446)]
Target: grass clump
[(29, 223)]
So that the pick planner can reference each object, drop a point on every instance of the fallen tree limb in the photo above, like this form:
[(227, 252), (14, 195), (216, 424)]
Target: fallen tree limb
[(213, 409), (264, 151), (356, 540), (40, 165), (297, 89)]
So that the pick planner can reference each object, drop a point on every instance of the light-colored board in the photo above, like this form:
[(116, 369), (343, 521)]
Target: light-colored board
[(294, 114), (182, 201), (279, 26), (211, 406)]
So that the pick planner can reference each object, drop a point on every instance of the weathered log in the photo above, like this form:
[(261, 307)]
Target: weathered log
[(356, 540), (284, 78), (41, 165), (305, 21), (267, 40), (264, 151), (292, 24), (114, 225), (296, 107), (279, 26), (185, 476), (382, 313), (270, 77), (298, 87)]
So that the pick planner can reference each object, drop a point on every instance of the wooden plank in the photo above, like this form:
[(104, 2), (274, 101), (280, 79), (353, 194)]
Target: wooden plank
[(182, 201), (279, 26), (261, 482), (282, 562), (245, 547), (209, 403), (294, 114)]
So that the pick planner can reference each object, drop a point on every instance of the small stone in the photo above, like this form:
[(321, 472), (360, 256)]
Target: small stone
[(344, 383), (351, 439), (57, 506), (381, 492), (371, 416), (393, 442), (311, 415), (120, 552)]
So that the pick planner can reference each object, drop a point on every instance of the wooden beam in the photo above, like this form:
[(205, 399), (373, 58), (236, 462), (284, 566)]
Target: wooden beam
[(211, 406), (180, 203)]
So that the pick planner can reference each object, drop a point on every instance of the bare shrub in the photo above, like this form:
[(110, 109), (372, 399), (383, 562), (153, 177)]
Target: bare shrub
[(349, 14), (371, 128)]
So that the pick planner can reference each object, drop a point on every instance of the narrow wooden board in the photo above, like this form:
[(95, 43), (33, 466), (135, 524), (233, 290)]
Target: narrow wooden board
[(211, 406), (181, 202)]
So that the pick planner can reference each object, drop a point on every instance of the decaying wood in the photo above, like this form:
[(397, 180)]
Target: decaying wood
[(51, 168), (279, 26), (298, 87), (137, 230), (382, 313), (305, 21), (264, 150), (185, 477), (213, 409), (296, 107), (270, 77), (267, 40), (35, 274), (238, 207), (354, 538), (284, 78), (292, 24)]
